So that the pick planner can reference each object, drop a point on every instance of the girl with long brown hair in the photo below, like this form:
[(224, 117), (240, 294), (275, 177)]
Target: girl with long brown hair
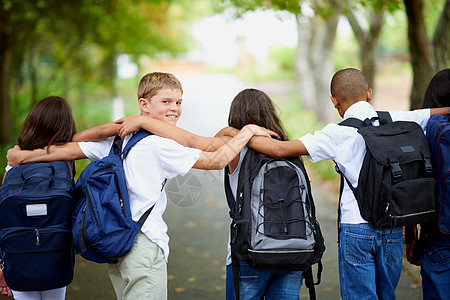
[(50, 122)]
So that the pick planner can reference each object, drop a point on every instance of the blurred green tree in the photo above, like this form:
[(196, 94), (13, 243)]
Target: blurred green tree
[(317, 22), (428, 55), (76, 42)]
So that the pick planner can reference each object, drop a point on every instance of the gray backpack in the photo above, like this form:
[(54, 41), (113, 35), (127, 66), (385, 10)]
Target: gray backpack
[(273, 217)]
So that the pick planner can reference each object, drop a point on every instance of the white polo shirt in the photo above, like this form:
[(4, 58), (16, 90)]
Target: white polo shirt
[(347, 148), (148, 164)]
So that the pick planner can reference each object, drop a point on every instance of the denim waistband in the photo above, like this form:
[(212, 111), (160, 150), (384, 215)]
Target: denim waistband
[(372, 228)]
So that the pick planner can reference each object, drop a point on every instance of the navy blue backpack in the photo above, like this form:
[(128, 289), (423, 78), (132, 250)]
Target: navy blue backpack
[(103, 228), (36, 205), (438, 137)]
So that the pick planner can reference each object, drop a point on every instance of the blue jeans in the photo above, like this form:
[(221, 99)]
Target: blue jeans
[(255, 284), (435, 268), (370, 261)]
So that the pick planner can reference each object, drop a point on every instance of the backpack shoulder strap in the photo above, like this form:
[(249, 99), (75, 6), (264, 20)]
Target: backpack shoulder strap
[(228, 193), (384, 117), (134, 139), (116, 146), (356, 123)]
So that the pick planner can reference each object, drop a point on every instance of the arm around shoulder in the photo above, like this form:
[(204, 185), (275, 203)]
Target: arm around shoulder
[(225, 154), (97, 133), (439, 111), (277, 148), (166, 130), (68, 152)]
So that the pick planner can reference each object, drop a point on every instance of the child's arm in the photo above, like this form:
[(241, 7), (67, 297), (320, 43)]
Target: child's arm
[(184, 137), (97, 133), (277, 148), (68, 152), (224, 155), (439, 111)]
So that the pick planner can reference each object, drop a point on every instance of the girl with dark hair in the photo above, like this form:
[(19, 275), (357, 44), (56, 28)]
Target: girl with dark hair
[(432, 251), (50, 122), (438, 91), (252, 106)]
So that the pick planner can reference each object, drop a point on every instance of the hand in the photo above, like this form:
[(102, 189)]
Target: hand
[(258, 130), (129, 125), (4, 289), (227, 131), (411, 248), (14, 156), (411, 254)]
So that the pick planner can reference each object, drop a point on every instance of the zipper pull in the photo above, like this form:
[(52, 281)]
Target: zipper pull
[(387, 207), (241, 195), (37, 237)]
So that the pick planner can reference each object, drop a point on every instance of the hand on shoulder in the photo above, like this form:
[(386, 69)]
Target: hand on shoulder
[(130, 124)]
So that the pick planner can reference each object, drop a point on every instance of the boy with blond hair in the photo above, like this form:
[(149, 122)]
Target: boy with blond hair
[(142, 273)]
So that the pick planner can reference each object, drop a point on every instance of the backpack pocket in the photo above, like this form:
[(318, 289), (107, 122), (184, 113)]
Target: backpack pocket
[(240, 231), (37, 259), (406, 207)]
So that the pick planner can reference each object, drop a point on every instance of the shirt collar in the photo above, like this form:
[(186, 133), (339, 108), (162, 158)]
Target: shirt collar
[(360, 110)]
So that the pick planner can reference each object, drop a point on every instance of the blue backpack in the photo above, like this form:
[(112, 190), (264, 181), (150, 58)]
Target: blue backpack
[(103, 228), (438, 136), (36, 205)]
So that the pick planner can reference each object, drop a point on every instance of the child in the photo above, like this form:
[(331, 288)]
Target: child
[(143, 272), (50, 122), (433, 250), (370, 259)]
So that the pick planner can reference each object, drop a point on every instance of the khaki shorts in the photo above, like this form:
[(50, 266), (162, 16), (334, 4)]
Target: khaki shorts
[(142, 273)]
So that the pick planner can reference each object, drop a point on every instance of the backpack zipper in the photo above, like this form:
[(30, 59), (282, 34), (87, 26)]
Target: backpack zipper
[(116, 180), (411, 215), (278, 251), (91, 208)]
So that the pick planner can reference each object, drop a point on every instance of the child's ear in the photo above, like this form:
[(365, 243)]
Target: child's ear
[(144, 105), (369, 95), (335, 101)]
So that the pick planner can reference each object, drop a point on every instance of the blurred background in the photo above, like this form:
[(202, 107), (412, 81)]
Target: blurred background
[(94, 52)]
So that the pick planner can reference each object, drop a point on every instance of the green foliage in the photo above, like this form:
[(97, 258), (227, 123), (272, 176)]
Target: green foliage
[(69, 48), (432, 12), (278, 66), (242, 6), (345, 51)]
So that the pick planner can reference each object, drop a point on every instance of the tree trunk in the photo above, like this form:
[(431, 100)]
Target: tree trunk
[(441, 40), (368, 41), (314, 64), (419, 50), (5, 118)]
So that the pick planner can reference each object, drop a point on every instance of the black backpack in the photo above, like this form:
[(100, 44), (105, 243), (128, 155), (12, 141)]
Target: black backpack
[(274, 222), (36, 205), (395, 184)]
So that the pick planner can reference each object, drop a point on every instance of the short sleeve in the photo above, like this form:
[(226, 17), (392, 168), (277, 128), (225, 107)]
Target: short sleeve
[(96, 150), (321, 145)]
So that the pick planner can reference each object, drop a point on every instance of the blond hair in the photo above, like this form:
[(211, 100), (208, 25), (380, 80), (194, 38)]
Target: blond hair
[(151, 83)]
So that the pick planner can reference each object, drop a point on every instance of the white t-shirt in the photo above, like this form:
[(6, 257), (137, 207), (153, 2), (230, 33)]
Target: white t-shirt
[(147, 166), (347, 148)]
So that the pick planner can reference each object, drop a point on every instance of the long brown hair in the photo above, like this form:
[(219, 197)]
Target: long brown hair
[(50, 122), (252, 106)]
